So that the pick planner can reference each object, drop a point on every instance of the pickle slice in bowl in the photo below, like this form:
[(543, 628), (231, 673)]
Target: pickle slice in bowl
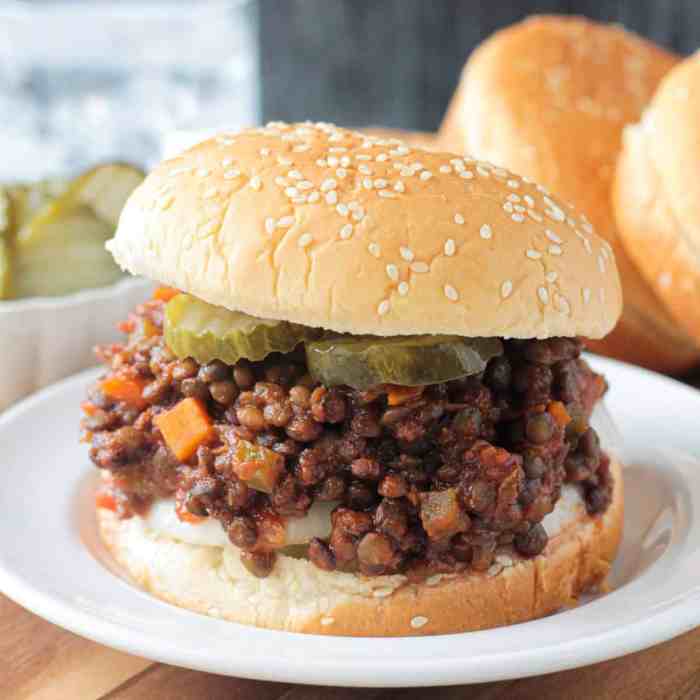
[(27, 200), (363, 362), (60, 249), (5, 269), (205, 332)]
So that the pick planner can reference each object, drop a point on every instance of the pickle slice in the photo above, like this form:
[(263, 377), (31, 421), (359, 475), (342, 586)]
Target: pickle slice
[(205, 332), (5, 269), (363, 362), (60, 249), (27, 200)]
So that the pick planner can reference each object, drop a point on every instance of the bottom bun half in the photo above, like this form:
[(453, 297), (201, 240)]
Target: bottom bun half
[(299, 597)]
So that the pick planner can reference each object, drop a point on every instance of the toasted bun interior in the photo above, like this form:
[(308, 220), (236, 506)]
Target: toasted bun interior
[(333, 228), (299, 597), (657, 193), (549, 98)]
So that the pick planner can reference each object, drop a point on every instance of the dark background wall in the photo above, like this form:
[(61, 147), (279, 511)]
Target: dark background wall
[(396, 62)]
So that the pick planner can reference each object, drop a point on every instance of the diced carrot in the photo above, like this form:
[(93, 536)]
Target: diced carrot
[(126, 327), (165, 294), (104, 499), (121, 387), (397, 395), (185, 427), (89, 408), (558, 411)]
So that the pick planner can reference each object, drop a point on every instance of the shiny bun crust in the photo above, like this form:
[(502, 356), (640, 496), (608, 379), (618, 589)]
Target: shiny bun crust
[(337, 229), (549, 98), (298, 597), (657, 193)]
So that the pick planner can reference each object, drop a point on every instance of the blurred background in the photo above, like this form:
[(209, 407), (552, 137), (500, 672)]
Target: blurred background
[(87, 80)]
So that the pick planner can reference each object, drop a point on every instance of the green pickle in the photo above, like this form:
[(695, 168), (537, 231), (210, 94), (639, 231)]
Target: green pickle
[(5, 269), (363, 362), (205, 332), (59, 244)]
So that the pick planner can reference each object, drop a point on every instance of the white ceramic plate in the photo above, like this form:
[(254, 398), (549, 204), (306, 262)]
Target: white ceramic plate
[(52, 563)]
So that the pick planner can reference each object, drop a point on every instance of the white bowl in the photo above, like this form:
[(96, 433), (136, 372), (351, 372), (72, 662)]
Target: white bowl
[(43, 339)]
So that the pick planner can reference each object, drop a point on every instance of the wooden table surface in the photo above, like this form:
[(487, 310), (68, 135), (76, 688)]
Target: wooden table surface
[(39, 661)]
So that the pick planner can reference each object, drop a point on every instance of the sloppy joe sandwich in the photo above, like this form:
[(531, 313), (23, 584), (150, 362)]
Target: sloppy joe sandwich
[(358, 404)]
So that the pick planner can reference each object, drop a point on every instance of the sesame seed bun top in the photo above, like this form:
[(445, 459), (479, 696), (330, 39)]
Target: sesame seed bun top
[(657, 194), (336, 229)]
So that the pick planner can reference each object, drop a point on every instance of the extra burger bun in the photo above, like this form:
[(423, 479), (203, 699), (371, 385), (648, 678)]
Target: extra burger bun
[(299, 597), (332, 228), (657, 193), (549, 98)]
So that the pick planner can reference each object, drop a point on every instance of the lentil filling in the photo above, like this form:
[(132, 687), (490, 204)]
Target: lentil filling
[(429, 479)]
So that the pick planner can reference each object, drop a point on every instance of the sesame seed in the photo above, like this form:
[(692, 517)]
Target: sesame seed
[(393, 272), (363, 156), (325, 621), (482, 171), (466, 174), (305, 185), (399, 186), (403, 288), (519, 208), (300, 148), (346, 231), (450, 247), (451, 293), (554, 250), (301, 199), (514, 184), (426, 175), (587, 227), (328, 184), (485, 232), (533, 254), (458, 164), (562, 304), (506, 289), (322, 162), (587, 246), (255, 182), (280, 181), (386, 194), (283, 161), (459, 219), (552, 236), (202, 172), (518, 218), (601, 263), (529, 200), (380, 183), (358, 213), (402, 150), (313, 196), (269, 224), (285, 222), (418, 621), (345, 161), (304, 240), (364, 169), (291, 192), (383, 307), (231, 174), (381, 157), (406, 172), (165, 201), (226, 162), (367, 183), (551, 277), (341, 173), (535, 216), (512, 197), (295, 175), (331, 197), (665, 279), (264, 152), (337, 149), (543, 294), (342, 209), (586, 294), (555, 213), (374, 249), (210, 193), (406, 253), (445, 169), (420, 267)]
